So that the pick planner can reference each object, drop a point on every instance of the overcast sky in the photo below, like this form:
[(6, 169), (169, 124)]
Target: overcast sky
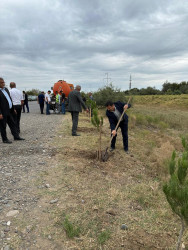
[(79, 41)]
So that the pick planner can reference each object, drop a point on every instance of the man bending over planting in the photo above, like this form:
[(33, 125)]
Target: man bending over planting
[(114, 112)]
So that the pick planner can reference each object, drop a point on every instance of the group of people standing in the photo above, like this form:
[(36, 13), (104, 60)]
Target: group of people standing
[(47, 98), (12, 102), (75, 104)]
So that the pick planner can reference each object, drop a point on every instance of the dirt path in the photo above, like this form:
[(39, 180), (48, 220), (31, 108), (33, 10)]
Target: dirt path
[(20, 165)]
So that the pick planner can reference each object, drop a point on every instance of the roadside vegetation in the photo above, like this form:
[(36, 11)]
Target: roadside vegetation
[(120, 203), (99, 197)]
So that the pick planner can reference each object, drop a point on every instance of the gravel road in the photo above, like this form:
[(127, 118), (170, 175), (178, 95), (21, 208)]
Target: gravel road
[(22, 161)]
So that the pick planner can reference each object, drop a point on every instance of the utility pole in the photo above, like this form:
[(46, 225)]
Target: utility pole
[(130, 83), (107, 78)]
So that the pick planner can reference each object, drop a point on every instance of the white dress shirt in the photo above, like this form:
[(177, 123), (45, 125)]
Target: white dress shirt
[(16, 96), (47, 97)]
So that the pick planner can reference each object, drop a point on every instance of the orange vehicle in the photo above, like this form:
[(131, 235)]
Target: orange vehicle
[(58, 86), (63, 85)]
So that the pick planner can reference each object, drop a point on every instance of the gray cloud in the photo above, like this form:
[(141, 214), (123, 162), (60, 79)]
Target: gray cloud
[(79, 41)]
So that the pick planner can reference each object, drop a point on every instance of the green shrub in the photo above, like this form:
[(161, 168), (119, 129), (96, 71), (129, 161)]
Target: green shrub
[(109, 92), (176, 189)]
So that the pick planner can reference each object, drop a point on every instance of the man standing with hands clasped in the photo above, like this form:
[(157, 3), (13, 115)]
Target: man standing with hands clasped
[(75, 104), (6, 114), (113, 112)]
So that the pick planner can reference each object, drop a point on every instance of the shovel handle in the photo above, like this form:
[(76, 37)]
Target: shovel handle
[(120, 120)]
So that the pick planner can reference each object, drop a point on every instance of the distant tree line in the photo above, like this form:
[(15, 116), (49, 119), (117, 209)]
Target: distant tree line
[(34, 92), (109, 92), (167, 89)]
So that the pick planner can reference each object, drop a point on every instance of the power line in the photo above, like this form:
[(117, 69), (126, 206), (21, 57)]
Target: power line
[(130, 83), (107, 78)]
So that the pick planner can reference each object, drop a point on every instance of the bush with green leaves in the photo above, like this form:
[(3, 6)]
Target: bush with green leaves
[(176, 190), (91, 104), (109, 92)]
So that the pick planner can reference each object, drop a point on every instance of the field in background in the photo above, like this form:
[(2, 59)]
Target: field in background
[(169, 101), (96, 198)]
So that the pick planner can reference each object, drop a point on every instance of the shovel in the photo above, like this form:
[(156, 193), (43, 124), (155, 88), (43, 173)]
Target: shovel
[(104, 155)]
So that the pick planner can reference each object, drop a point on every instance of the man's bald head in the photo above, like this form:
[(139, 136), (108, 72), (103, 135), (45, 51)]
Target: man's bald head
[(12, 85), (78, 87)]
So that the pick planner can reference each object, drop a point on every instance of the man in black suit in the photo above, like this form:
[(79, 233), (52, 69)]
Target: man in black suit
[(114, 112), (75, 104), (6, 114), (25, 98)]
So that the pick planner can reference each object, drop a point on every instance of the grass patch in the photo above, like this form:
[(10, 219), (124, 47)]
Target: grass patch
[(70, 228), (160, 118), (169, 101), (149, 120), (103, 237), (146, 195)]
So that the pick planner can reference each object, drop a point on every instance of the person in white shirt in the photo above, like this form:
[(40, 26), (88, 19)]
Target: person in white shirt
[(17, 99), (48, 100)]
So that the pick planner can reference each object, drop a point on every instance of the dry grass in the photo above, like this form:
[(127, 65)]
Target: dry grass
[(98, 197), (170, 101), (161, 117)]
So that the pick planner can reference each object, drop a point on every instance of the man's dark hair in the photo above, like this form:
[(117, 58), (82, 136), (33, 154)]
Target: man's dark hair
[(109, 103)]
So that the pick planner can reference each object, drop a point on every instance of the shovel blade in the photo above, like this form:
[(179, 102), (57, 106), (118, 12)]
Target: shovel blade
[(104, 155)]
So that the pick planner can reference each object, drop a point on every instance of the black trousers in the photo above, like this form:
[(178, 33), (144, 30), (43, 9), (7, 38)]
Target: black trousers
[(12, 125), (41, 107), (17, 116), (27, 106), (75, 115), (124, 130)]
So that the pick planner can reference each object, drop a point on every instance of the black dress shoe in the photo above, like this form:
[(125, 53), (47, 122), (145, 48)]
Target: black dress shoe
[(75, 135), (111, 149), (7, 141), (18, 139)]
